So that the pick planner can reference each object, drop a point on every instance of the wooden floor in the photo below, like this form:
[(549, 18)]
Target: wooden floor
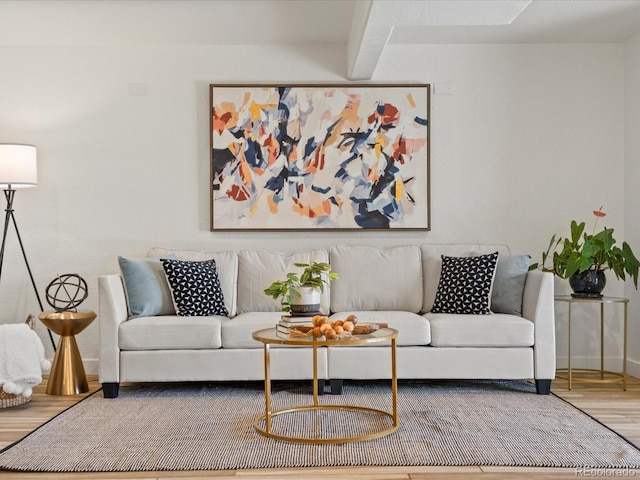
[(608, 403)]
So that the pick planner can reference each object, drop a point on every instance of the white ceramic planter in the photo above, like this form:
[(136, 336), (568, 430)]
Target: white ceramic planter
[(308, 302)]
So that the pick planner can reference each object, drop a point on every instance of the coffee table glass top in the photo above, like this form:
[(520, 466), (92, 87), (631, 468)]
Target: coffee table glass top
[(270, 335)]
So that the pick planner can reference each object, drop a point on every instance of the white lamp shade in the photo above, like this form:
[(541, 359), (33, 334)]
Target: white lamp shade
[(18, 166)]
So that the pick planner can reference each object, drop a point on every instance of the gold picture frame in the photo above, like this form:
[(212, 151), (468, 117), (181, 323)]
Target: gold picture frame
[(320, 157)]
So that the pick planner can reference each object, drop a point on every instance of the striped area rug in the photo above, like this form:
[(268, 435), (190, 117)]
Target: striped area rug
[(210, 427)]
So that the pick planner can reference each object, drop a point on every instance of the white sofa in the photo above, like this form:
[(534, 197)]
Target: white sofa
[(395, 285)]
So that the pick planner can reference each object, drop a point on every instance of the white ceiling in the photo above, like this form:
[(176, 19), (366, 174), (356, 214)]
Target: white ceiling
[(364, 26)]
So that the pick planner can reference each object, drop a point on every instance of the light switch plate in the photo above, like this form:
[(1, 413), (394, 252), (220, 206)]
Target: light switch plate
[(138, 89), (443, 88)]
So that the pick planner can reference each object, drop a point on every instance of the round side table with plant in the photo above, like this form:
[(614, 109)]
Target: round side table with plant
[(584, 257), (300, 294)]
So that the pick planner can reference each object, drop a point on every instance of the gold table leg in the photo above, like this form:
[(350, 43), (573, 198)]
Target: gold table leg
[(569, 351), (624, 349), (394, 383), (602, 341), (267, 389), (315, 375)]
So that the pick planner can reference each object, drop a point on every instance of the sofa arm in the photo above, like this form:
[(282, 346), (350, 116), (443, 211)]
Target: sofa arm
[(538, 306), (113, 311)]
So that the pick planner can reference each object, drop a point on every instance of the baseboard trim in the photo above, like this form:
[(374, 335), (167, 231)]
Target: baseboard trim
[(613, 364), (90, 366), (633, 368)]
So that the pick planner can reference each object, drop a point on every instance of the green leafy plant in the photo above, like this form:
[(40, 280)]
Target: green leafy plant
[(583, 251), (315, 275)]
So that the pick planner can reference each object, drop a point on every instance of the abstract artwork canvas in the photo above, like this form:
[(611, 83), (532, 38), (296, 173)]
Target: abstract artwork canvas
[(301, 157)]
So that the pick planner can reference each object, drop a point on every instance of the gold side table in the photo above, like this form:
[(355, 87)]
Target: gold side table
[(270, 336), (67, 375), (605, 375)]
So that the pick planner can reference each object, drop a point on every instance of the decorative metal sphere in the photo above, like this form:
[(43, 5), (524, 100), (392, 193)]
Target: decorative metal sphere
[(66, 292)]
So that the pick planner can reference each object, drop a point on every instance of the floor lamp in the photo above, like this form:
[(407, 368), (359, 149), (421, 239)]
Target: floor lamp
[(18, 169)]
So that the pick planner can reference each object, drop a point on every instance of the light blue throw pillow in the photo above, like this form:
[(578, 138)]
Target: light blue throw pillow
[(148, 292), (508, 284)]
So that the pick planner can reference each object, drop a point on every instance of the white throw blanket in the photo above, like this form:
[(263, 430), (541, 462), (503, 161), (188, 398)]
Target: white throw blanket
[(22, 359)]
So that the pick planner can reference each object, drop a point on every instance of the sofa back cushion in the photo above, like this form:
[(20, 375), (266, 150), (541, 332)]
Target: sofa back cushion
[(373, 278), (257, 270), (226, 266), (432, 263)]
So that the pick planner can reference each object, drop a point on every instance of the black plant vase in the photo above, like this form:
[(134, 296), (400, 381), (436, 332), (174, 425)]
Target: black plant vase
[(588, 284)]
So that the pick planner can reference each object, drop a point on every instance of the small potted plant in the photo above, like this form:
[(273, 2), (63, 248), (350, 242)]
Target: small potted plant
[(301, 294), (583, 258)]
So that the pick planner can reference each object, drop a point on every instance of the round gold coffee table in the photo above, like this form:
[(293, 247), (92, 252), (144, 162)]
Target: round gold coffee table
[(270, 337), (67, 375)]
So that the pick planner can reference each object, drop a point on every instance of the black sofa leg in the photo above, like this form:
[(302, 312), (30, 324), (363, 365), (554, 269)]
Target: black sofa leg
[(336, 386), (543, 387), (321, 383), (111, 390)]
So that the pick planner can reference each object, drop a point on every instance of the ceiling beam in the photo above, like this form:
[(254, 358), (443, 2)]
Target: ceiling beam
[(366, 42), (374, 21)]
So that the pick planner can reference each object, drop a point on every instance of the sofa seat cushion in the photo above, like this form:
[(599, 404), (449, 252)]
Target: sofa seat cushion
[(170, 332), (412, 329), (237, 332), (497, 330)]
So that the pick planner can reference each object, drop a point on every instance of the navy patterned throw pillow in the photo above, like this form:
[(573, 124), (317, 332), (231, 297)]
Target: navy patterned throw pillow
[(195, 288), (465, 285)]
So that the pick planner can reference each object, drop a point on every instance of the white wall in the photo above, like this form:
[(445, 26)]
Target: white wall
[(632, 178), (518, 150)]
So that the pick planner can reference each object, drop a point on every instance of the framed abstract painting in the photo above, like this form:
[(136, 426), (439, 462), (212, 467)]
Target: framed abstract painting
[(320, 157)]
